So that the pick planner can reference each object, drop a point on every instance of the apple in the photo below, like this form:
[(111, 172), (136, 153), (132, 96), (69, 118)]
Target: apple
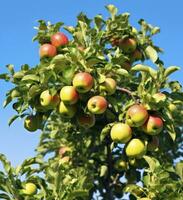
[(86, 121), (69, 95), (159, 97), (115, 41), (49, 101), (31, 123), (136, 55), (47, 50), (63, 150), (67, 111), (15, 93), (109, 86), (30, 189), (126, 65), (121, 132), (128, 45), (97, 104), (134, 30), (136, 148), (132, 162), (121, 165), (136, 115), (153, 126), (83, 82), (59, 39), (172, 107), (65, 160), (153, 144)]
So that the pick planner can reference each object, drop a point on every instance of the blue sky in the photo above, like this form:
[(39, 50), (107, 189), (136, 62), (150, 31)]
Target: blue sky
[(17, 19)]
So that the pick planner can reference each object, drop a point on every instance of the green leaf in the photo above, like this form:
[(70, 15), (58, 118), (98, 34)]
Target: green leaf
[(122, 72), (103, 170), (179, 169), (151, 53), (152, 162), (11, 69), (78, 193), (7, 101), (12, 119), (113, 10), (145, 68), (99, 22), (105, 131), (30, 77), (171, 70), (171, 130), (136, 190), (4, 196)]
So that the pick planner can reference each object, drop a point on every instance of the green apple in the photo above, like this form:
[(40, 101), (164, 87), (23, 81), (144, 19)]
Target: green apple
[(172, 107), (121, 165), (136, 115), (153, 144), (49, 101), (67, 111), (15, 93), (31, 123), (128, 45), (69, 95), (159, 97), (30, 189), (83, 82), (86, 121), (109, 86), (97, 104), (153, 126), (136, 148), (121, 132)]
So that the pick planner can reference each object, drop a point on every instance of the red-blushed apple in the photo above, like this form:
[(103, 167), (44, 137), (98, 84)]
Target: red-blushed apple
[(121, 165), (31, 123), (67, 111), (121, 132), (97, 104), (59, 39), (69, 95), (49, 101), (153, 126), (159, 97), (126, 65), (47, 50), (109, 86), (136, 55), (136, 115), (136, 148), (128, 45), (30, 189), (86, 120), (83, 82), (153, 144)]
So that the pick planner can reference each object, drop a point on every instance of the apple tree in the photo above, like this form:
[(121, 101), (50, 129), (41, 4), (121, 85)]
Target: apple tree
[(109, 116)]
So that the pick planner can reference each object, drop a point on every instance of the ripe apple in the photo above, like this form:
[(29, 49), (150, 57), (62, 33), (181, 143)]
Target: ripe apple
[(128, 45), (97, 105), (136, 115), (153, 126), (69, 95), (121, 165), (126, 65), (136, 148), (121, 132), (49, 101), (136, 55), (109, 86), (153, 144), (47, 50), (159, 97), (59, 39), (86, 121), (31, 123), (83, 82), (30, 189), (67, 111)]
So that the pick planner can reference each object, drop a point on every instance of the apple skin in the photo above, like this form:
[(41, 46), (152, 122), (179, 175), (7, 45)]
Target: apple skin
[(69, 95), (109, 86), (136, 148), (172, 107), (121, 165), (86, 121), (31, 123), (67, 111), (30, 189), (59, 39), (121, 132), (136, 55), (128, 45), (159, 97), (83, 82), (136, 115), (153, 144), (49, 101), (47, 50), (153, 126), (97, 104)]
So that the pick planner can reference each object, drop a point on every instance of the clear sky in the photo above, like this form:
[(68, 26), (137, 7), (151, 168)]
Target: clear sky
[(17, 19)]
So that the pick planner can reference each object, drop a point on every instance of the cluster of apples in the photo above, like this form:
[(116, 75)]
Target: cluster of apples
[(137, 116)]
